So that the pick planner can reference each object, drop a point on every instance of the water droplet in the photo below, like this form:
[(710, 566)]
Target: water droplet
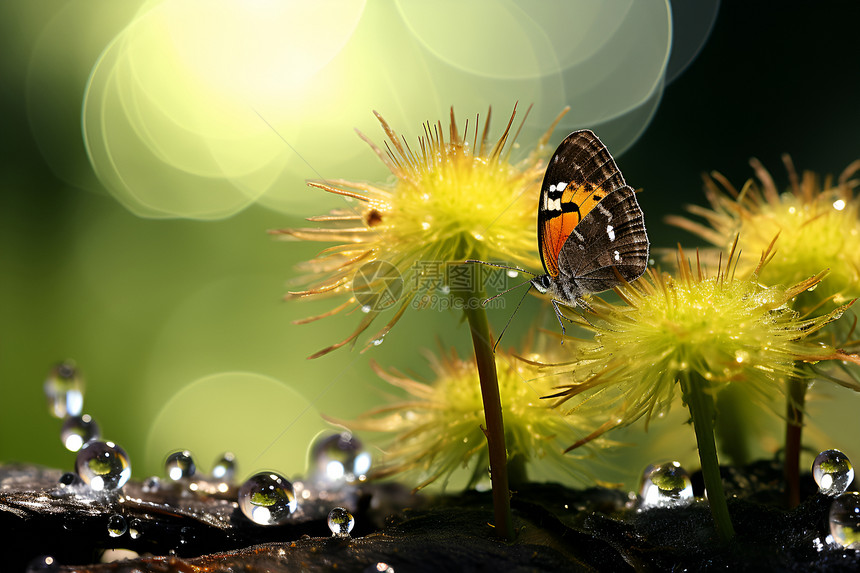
[(64, 390), (134, 529), (380, 567), (478, 236), (180, 465), (267, 498), (513, 274), (116, 525), (225, 467), (78, 430), (845, 520), (839, 204), (68, 479), (665, 485), (445, 289), (340, 522), (103, 465), (151, 484), (366, 308), (339, 459), (425, 225), (832, 471), (741, 356), (378, 341), (41, 564)]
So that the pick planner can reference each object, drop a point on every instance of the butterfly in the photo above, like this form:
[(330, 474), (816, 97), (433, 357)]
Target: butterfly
[(590, 229)]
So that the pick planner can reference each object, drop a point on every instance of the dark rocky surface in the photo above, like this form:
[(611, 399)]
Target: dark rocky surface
[(559, 529)]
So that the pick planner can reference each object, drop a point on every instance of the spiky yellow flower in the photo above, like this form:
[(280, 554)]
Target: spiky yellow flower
[(694, 329), (816, 222), (452, 199), (438, 431)]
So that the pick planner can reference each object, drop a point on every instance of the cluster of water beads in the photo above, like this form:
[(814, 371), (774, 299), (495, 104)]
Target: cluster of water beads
[(340, 522), (833, 472), (665, 485), (267, 498)]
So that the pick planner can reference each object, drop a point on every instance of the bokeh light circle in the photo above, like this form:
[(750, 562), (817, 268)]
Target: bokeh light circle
[(262, 421)]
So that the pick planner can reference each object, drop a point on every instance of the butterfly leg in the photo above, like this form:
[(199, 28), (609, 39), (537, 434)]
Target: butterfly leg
[(556, 305)]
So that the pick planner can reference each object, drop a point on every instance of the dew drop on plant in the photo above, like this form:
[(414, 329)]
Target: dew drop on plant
[(832, 471), (225, 468), (103, 465), (180, 465), (78, 430), (340, 522), (366, 308), (267, 498), (665, 485), (339, 459), (64, 390), (845, 520), (116, 525), (380, 567)]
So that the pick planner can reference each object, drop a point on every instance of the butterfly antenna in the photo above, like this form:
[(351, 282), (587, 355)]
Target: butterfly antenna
[(507, 324), (498, 266), (486, 301)]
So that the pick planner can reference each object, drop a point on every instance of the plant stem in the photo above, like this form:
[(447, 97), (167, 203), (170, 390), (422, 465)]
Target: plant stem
[(701, 404), (495, 430), (793, 431)]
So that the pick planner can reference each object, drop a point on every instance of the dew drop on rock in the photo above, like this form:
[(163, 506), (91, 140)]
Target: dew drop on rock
[(64, 390), (42, 564), (78, 430), (134, 528), (832, 471), (68, 479), (665, 485), (339, 459), (116, 525), (225, 468), (180, 465), (151, 484), (103, 465), (340, 522), (267, 498), (845, 520)]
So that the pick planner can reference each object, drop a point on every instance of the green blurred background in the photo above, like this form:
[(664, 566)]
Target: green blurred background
[(147, 147)]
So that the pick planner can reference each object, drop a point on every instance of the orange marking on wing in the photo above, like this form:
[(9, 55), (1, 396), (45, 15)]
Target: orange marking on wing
[(556, 232), (586, 196)]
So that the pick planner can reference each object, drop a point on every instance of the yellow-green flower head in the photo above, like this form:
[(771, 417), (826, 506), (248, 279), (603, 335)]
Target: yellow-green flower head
[(454, 197), (718, 330), (817, 225), (438, 431)]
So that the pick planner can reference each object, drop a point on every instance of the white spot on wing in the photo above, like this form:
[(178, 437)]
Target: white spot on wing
[(611, 232), (553, 204), (604, 211), (617, 256), (551, 188), (561, 186)]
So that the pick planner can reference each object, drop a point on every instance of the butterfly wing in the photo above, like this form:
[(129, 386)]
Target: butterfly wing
[(580, 175), (610, 240)]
